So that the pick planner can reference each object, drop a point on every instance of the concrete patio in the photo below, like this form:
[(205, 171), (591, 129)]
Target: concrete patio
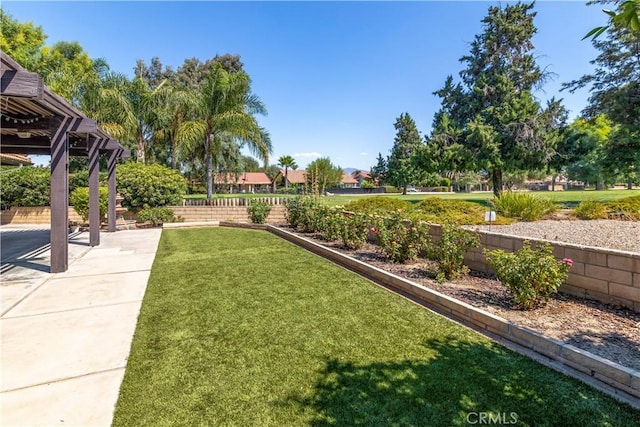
[(66, 336)]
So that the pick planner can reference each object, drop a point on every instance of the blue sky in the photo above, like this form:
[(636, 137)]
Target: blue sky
[(333, 75)]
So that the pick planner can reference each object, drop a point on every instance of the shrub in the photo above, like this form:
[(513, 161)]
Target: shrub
[(367, 184), (401, 240), (145, 186), (627, 208), (330, 225), (378, 204), (444, 211), (156, 215), (304, 213), (258, 211), (354, 229), (523, 206), (530, 275), (445, 182), (289, 190), (392, 189), (26, 186), (590, 209), (81, 179), (79, 199), (450, 250)]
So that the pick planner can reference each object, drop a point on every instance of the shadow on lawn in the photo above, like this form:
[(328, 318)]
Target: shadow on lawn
[(461, 380)]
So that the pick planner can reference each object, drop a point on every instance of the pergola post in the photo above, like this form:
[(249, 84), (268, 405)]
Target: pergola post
[(94, 191), (111, 171), (59, 194)]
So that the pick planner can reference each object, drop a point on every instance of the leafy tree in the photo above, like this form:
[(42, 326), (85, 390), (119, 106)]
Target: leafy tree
[(615, 90), (249, 164), (627, 17), (193, 73), (271, 171), (287, 162), (322, 174), (225, 120), (154, 73), (402, 168), (379, 171), (585, 148), (21, 40), (492, 112)]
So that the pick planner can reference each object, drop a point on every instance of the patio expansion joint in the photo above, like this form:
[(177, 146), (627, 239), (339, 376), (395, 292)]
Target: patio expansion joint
[(142, 270), (88, 307), (59, 380)]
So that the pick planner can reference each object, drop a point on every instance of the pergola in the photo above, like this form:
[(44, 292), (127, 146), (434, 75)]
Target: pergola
[(34, 120)]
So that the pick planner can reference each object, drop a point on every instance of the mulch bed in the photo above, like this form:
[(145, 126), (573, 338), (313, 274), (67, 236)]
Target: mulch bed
[(609, 331)]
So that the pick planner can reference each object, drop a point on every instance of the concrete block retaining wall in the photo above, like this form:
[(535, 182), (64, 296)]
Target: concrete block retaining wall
[(622, 379), (32, 215), (224, 213)]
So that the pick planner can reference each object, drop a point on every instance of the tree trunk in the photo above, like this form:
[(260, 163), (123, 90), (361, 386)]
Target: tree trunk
[(140, 151), (209, 164), (629, 184), (286, 176), (496, 178), (599, 185), (553, 183)]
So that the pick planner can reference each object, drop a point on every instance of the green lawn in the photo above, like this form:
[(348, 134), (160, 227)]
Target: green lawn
[(239, 327), (564, 197)]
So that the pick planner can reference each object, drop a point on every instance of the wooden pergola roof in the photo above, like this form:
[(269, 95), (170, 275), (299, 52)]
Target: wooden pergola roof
[(35, 120)]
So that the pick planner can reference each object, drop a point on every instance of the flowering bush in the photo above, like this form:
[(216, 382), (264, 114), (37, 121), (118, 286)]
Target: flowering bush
[(353, 230), (450, 250), (530, 275), (331, 223), (303, 213), (401, 240)]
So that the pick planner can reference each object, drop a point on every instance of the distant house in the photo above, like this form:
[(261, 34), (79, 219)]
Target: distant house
[(247, 182), (349, 181), (294, 177), (14, 159), (362, 177)]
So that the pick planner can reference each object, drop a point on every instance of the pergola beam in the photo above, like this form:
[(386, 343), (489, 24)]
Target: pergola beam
[(22, 84)]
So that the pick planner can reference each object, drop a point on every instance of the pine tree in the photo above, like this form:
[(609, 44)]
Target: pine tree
[(492, 112), (401, 165)]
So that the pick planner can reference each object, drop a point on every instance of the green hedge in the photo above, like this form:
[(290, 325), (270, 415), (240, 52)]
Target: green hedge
[(27, 186), (147, 186)]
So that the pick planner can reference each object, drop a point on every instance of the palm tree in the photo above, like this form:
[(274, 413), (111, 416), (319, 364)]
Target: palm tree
[(225, 112), (287, 162), (172, 107)]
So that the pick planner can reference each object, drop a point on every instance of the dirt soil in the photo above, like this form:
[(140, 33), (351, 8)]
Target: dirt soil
[(609, 331)]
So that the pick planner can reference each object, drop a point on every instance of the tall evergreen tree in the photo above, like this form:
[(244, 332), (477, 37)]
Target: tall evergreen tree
[(401, 165), (379, 171), (493, 111)]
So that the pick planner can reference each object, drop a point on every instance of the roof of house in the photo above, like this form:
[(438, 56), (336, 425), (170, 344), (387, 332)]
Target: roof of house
[(348, 179), (364, 175), (295, 176), (253, 178), (14, 159)]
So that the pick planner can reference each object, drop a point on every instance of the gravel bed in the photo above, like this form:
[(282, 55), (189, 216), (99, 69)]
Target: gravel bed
[(603, 233)]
